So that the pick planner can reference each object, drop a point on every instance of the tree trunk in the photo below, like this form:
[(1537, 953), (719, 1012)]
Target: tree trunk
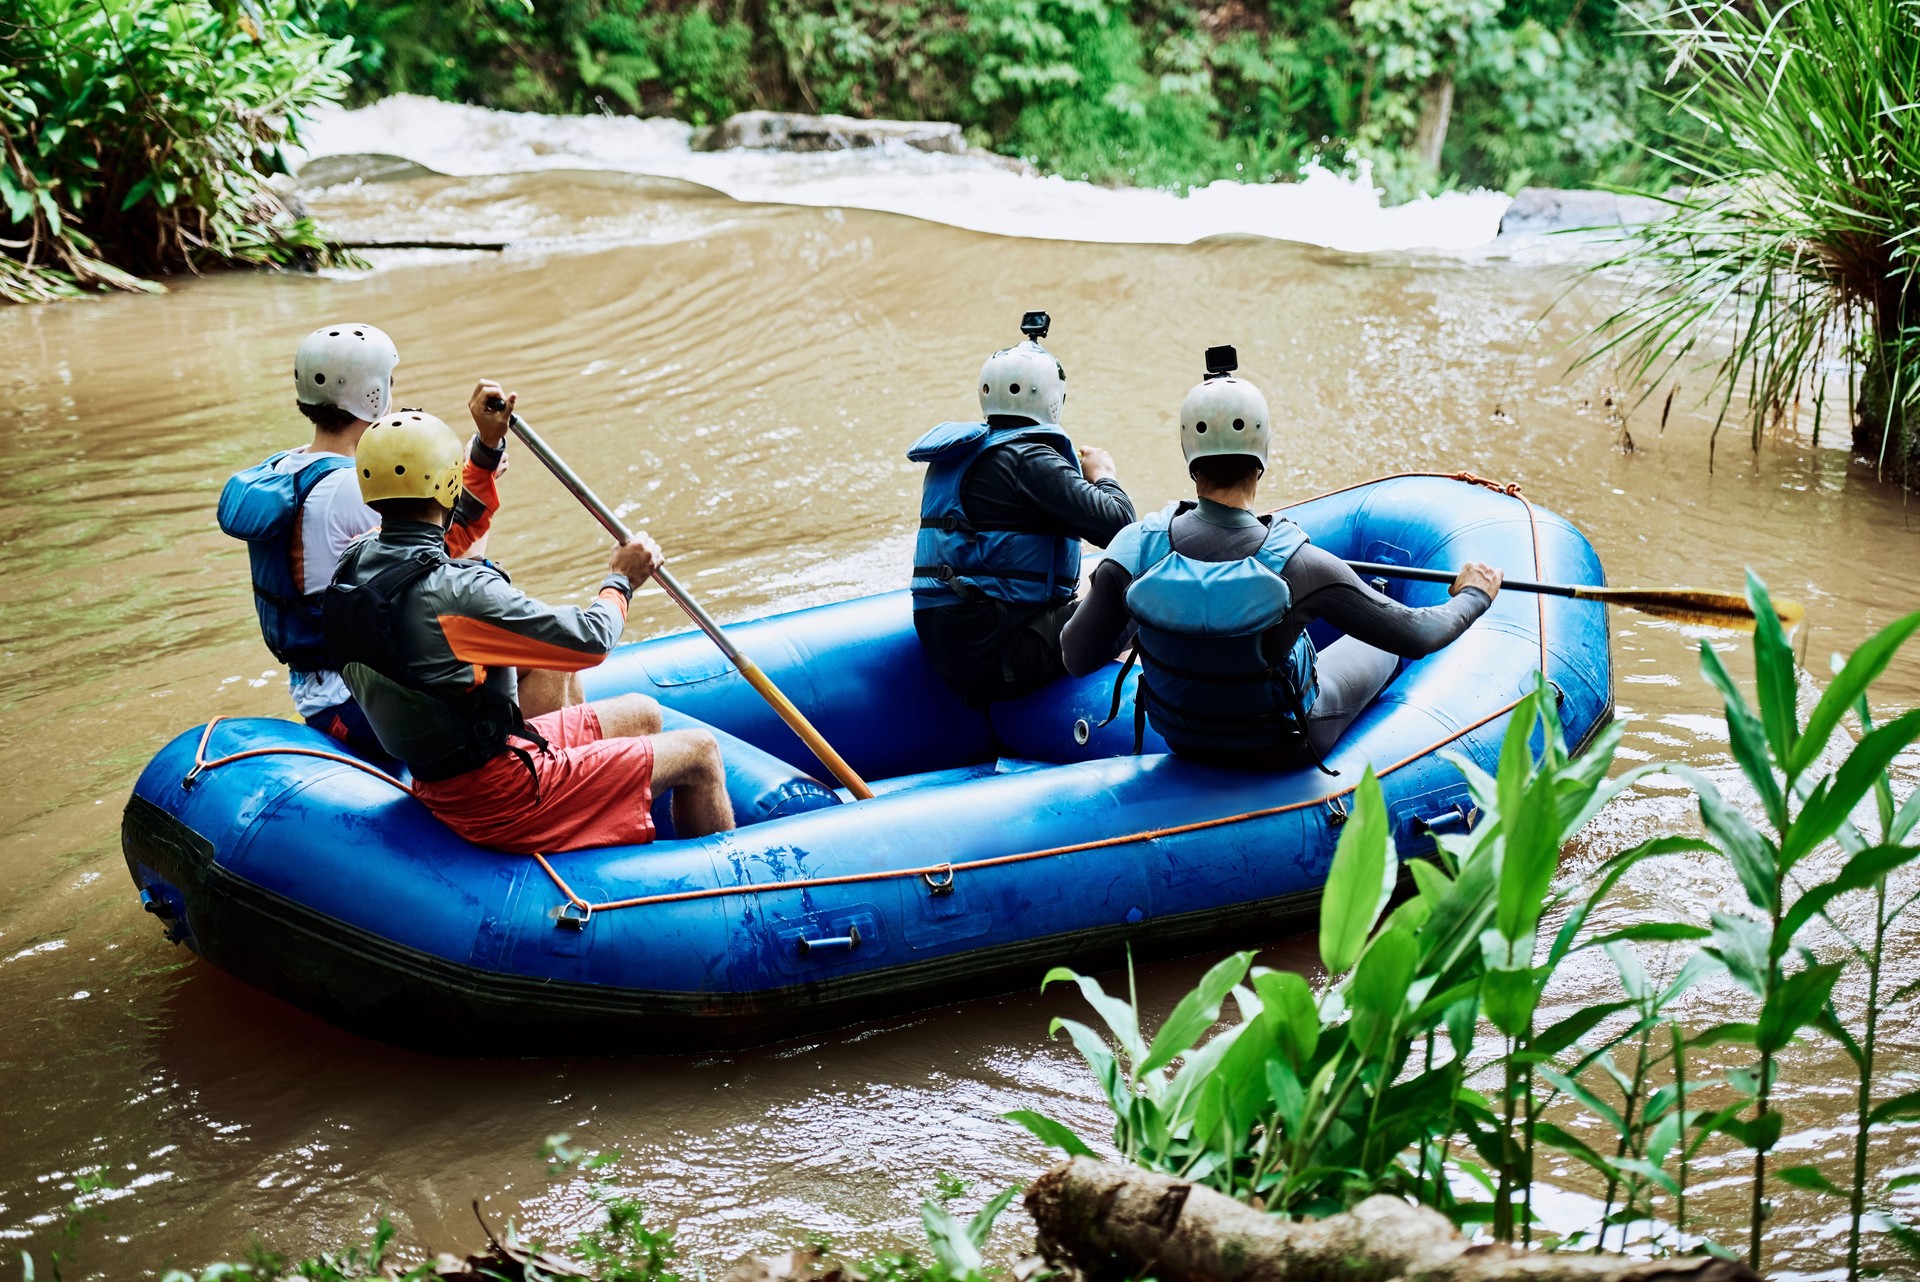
[(1118, 1222), (1436, 112), (1885, 434)]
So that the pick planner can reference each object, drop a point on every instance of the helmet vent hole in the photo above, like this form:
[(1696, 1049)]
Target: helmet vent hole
[(1014, 390), (399, 469), (1239, 425), (1200, 426), (985, 388), (367, 472), (319, 378), (333, 333)]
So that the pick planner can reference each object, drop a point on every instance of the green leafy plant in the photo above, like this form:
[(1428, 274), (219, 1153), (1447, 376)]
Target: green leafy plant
[(1420, 1062), (136, 137), (1313, 1100), (1776, 753)]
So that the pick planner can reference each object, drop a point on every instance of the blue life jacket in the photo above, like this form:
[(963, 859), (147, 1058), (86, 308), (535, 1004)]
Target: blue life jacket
[(262, 506), (1206, 677), (955, 560)]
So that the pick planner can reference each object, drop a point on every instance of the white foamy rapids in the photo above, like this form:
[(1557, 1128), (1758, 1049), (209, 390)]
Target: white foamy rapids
[(974, 192)]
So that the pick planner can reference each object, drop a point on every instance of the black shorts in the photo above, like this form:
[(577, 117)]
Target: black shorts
[(990, 652)]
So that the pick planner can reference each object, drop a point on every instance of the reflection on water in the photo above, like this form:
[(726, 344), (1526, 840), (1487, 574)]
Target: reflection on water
[(744, 385)]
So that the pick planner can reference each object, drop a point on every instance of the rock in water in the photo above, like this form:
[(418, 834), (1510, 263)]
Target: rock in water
[(1538, 210), (365, 167), (791, 131)]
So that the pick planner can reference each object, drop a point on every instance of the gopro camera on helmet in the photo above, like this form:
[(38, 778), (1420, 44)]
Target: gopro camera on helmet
[(1034, 325), (1221, 360)]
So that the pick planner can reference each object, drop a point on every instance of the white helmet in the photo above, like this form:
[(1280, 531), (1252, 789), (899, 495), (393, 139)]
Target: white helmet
[(1224, 415), (349, 366), (1024, 380)]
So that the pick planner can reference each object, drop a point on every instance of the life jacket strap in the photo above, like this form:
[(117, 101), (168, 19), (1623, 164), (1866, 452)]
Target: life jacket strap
[(285, 603), (1256, 676), (947, 574)]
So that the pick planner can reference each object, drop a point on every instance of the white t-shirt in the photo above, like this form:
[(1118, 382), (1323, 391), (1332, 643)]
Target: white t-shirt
[(333, 517)]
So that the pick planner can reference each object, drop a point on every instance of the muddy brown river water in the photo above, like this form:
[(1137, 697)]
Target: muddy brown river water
[(742, 380)]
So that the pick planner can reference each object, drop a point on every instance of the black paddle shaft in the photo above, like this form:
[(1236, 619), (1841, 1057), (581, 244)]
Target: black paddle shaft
[(1366, 569)]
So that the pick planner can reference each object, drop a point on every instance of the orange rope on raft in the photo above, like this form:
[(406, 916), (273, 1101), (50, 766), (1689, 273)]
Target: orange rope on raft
[(1510, 488), (949, 869), (201, 764)]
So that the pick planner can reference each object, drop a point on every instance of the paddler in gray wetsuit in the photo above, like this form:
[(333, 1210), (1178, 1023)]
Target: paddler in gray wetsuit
[(1004, 506), (1222, 598)]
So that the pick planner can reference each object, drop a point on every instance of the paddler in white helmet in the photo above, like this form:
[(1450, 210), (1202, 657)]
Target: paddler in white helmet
[(1005, 504), (1222, 597), (299, 509)]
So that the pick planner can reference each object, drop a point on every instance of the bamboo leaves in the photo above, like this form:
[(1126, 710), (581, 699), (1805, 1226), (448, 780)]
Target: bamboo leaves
[(1862, 668), (1360, 881)]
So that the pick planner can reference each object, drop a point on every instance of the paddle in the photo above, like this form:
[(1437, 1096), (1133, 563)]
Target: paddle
[(1688, 605), (759, 680)]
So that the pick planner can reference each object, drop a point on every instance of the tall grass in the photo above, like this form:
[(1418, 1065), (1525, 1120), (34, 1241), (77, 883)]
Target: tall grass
[(1797, 126), (1419, 1066)]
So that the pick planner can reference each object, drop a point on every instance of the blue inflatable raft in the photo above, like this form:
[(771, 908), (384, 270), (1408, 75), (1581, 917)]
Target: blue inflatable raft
[(996, 846)]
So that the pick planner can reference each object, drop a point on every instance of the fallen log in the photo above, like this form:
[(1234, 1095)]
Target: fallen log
[(1117, 1222)]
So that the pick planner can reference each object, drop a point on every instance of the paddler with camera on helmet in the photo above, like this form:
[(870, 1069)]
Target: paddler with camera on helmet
[(1221, 598), (429, 645), (299, 509), (1005, 504)]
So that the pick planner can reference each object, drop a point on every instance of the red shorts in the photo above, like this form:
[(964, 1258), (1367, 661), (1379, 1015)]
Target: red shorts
[(593, 791)]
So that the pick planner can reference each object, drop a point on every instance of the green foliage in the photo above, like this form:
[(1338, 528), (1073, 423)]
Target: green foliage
[(1760, 947), (1794, 125), (1146, 92), (1310, 1098), (136, 135), (1311, 1101)]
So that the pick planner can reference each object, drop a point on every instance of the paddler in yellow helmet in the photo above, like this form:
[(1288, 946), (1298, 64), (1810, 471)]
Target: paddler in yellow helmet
[(429, 646)]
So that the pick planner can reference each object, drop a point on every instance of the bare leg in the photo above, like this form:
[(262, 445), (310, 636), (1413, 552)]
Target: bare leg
[(543, 690), (626, 716), (688, 762)]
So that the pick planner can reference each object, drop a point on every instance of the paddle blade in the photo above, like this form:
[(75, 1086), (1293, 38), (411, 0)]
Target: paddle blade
[(1693, 605)]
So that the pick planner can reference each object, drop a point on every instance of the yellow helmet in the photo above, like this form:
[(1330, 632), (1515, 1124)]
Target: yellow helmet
[(410, 455)]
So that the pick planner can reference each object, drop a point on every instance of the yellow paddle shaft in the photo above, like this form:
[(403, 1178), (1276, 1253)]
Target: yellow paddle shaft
[(1689, 605), (760, 681)]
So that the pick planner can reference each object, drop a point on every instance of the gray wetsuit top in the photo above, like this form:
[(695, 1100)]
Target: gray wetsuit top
[(1323, 587)]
